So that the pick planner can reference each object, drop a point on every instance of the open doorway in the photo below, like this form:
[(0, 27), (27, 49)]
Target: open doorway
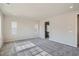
[(78, 30), (46, 30)]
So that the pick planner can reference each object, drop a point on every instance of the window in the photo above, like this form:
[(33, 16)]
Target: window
[(36, 27), (14, 27)]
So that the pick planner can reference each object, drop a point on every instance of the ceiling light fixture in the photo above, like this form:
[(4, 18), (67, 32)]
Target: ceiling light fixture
[(71, 7)]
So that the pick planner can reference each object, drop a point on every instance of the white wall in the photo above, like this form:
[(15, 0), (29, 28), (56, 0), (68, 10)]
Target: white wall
[(26, 28), (63, 28)]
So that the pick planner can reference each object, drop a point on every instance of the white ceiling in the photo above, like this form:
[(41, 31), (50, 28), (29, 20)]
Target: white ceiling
[(37, 9)]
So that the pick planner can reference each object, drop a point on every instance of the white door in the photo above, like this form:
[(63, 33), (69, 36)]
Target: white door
[(0, 33)]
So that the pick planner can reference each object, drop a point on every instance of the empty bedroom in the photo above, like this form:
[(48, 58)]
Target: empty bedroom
[(39, 29)]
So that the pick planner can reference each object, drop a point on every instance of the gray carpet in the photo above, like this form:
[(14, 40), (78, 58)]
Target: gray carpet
[(38, 47)]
